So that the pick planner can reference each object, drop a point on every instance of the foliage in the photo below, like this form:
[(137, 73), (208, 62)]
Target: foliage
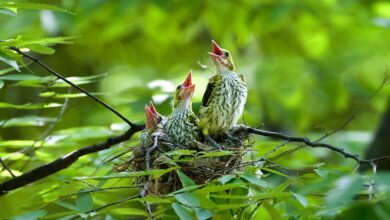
[(309, 64)]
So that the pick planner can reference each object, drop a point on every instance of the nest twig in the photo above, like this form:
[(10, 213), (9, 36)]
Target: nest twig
[(201, 165)]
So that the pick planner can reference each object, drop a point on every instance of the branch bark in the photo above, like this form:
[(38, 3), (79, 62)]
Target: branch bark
[(310, 143), (64, 161)]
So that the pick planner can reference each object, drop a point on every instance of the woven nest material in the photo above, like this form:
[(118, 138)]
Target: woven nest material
[(202, 165)]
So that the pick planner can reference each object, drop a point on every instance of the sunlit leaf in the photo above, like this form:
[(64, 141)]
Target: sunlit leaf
[(5, 59), (16, 143), (128, 211), (32, 6), (30, 105), (21, 76), (275, 215), (27, 121), (218, 188)]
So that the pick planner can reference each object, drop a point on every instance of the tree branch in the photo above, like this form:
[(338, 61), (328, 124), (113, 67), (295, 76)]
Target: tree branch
[(307, 142), (72, 84), (65, 161)]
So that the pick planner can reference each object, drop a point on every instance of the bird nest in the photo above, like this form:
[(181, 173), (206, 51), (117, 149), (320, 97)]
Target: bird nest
[(200, 162)]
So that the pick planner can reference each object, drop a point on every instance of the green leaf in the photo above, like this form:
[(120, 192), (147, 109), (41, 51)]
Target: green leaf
[(34, 215), (185, 180), (253, 179), (203, 214), (7, 70), (187, 199), (383, 179), (156, 200), (41, 49), (182, 212), (275, 215), (27, 121), (84, 201), (17, 143), (32, 6), (301, 199), (275, 172), (256, 197), (222, 207), (218, 188), (7, 60), (55, 95), (30, 105), (7, 12), (226, 178), (155, 173), (283, 186), (1, 84), (21, 76), (180, 152), (321, 172), (127, 211), (346, 188), (67, 205)]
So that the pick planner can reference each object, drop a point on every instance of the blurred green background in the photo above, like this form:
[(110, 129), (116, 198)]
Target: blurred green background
[(309, 66)]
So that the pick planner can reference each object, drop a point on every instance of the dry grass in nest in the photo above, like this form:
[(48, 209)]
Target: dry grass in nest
[(199, 162)]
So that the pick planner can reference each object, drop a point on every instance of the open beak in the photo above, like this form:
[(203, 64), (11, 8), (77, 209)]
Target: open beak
[(217, 51), (151, 116), (188, 87), (152, 108)]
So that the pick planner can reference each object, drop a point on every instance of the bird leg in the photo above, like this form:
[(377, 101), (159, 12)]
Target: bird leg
[(213, 142), (233, 139)]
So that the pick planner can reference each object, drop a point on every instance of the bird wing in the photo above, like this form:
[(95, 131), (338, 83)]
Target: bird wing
[(209, 90), (242, 77)]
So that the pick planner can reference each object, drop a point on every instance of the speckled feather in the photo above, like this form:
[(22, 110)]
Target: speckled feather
[(222, 103), (181, 126)]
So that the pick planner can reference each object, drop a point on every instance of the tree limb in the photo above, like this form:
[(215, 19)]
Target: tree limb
[(65, 161), (307, 142), (72, 84)]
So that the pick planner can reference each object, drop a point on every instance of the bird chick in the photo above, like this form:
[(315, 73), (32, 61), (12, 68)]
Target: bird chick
[(224, 99), (181, 125)]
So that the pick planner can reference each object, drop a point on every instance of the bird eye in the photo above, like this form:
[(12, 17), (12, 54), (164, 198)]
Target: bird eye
[(178, 87), (226, 54)]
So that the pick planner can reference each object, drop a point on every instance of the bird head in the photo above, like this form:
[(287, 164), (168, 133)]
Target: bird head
[(152, 117), (222, 58), (184, 92)]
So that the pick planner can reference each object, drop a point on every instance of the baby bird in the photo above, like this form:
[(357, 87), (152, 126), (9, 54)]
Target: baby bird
[(224, 99), (181, 125)]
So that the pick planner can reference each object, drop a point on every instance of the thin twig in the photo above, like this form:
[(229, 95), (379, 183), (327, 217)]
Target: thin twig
[(363, 105), (307, 142), (6, 168), (147, 165), (47, 131), (72, 84), (112, 204)]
